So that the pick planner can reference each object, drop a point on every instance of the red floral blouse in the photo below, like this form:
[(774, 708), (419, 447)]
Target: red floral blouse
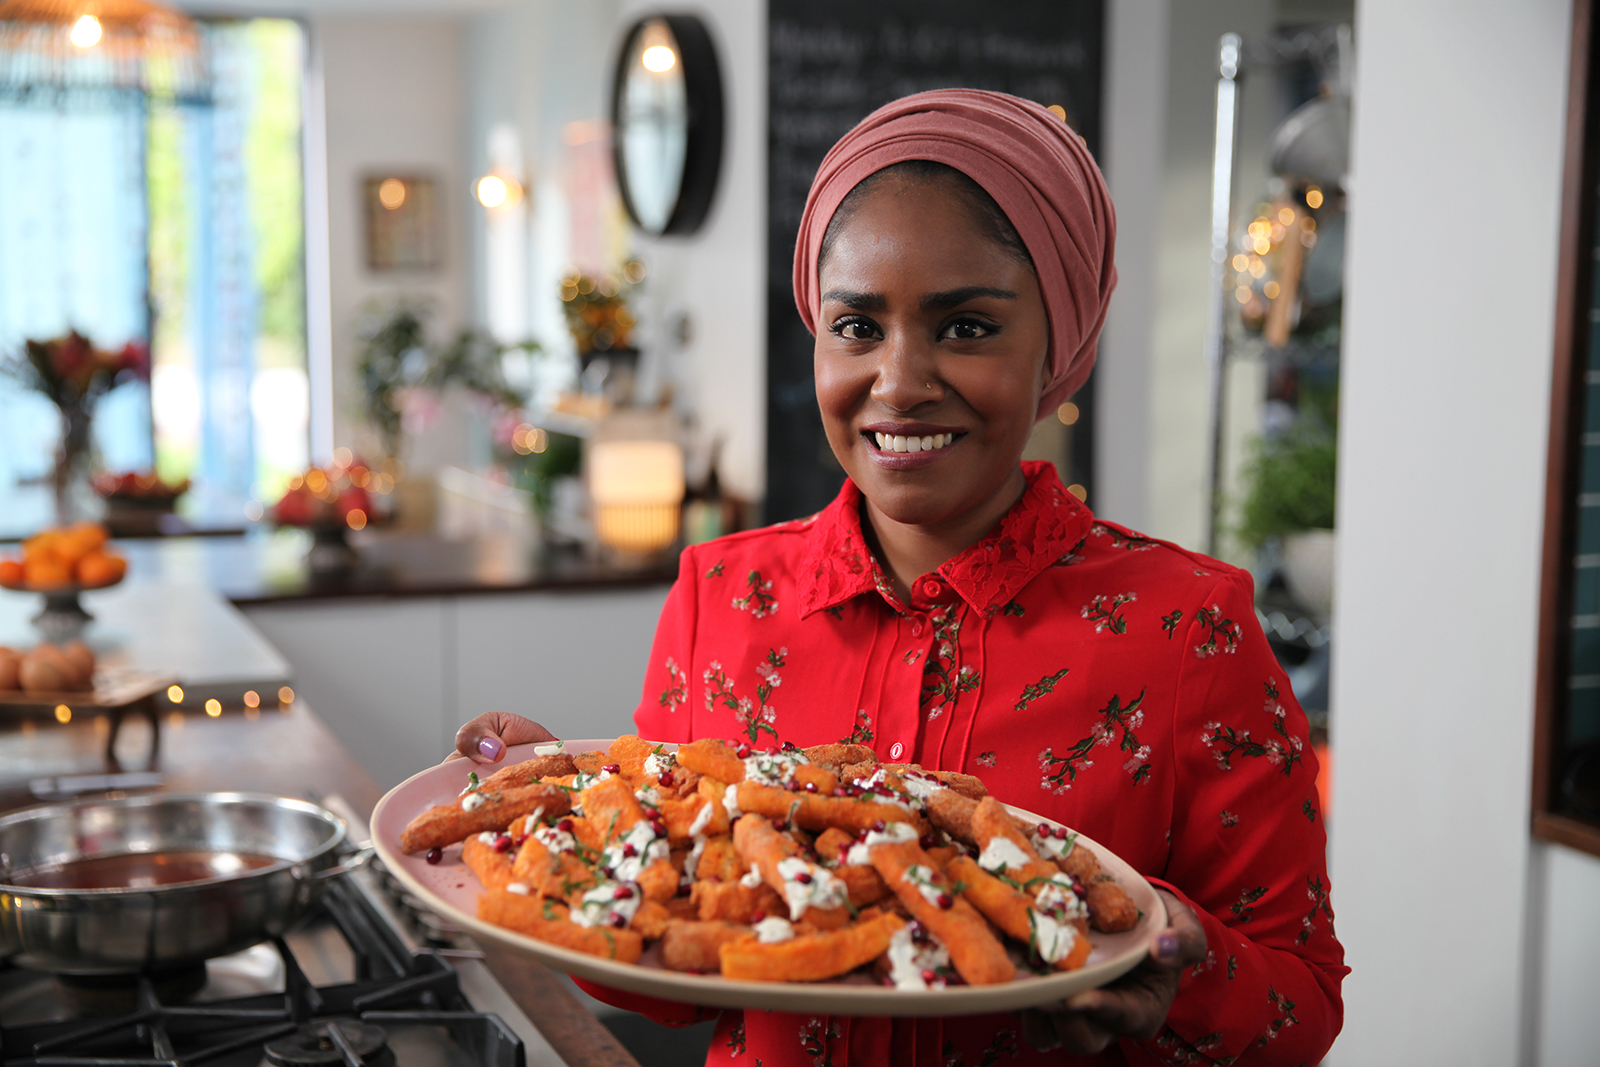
[(1116, 683)]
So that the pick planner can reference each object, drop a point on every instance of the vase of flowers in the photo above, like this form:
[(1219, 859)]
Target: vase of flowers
[(75, 376)]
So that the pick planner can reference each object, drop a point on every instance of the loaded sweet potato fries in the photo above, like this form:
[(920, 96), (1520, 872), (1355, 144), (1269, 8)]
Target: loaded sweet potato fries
[(780, 866)]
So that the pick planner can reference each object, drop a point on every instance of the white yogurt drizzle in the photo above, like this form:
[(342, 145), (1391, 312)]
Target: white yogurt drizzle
[(518, 888), (646, 847), (488, 837), (553, 749), (555, 840), (473, 801), (691, 862), (1052, 940), (908, 960), (892, 834), (1058, 899), (1000, 854), (928, 882), (701, 820), (599, 906), (584, 781), (823, 890), (657, 762), (773, 768), (1054, 848), (730, 802), (751, 878), (773, 929)]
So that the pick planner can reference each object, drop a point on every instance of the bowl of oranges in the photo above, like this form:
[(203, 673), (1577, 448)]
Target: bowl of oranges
[(64, 559)]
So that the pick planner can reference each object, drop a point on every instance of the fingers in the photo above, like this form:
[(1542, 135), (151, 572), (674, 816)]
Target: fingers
[(1101, 1014), (1069, 1031), (1183, 942), (485, 739)]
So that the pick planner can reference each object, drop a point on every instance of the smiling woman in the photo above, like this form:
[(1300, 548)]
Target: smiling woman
[(957, 608)]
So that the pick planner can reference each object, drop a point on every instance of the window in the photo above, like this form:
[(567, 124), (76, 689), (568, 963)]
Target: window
[(129, 216)]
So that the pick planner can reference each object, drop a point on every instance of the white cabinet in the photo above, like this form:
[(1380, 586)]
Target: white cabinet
[(394, 678)]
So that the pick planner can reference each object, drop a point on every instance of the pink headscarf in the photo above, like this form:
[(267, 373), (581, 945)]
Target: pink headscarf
[(1036, 168)]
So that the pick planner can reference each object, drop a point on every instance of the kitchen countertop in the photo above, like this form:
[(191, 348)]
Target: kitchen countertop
[(286, 751), (266, 566)]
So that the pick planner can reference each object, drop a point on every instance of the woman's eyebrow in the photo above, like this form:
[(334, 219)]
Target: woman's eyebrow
[(955, 297), (859, 301)]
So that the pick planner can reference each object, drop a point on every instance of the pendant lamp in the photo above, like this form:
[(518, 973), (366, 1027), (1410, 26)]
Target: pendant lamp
[(74, 45)]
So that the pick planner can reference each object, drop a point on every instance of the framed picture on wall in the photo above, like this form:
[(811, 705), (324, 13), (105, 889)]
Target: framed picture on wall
[(1566, 768), (402, 217)]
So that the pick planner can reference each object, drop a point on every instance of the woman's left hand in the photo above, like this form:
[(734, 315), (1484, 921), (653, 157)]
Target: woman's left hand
[(1135, 1005)]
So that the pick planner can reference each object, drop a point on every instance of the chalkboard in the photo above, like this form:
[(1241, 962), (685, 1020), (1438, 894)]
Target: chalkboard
[(831, 62)]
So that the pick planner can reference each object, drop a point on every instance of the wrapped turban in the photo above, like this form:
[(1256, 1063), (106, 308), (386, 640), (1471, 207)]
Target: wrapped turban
[(1034, 166)]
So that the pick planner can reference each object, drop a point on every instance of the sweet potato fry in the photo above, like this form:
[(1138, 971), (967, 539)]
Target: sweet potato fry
[(692, 946), (735, 902), (1004, 845), (952, 812), (965, 784), (651, 920), (977, 956), (629, 752), (529, 771), (547, 920), (812, 811), (809, 957), (659, 880), (821, 779), (850, 772), (772, 855), (1111, 909), (832, 844), (712, 758), (612, 806), (864, 884), (683, 908), (448, 823), (719, 861), (492, 868), (589, 762), (686, 817), (838, 756), (1010, 909)]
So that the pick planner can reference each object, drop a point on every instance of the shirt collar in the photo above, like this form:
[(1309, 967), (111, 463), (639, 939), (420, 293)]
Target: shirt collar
[(1044, 525)]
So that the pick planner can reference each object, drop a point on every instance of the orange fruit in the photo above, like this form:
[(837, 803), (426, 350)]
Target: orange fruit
[(97, 568), (45, 571), (11, 571)]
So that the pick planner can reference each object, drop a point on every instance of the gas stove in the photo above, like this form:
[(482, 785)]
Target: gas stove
[(369, 980)]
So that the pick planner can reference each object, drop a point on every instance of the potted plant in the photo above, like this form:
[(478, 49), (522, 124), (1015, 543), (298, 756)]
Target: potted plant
[(1289, 482)]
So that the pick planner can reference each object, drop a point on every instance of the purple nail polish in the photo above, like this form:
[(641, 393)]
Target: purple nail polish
[(491, 748), (1167, 945)]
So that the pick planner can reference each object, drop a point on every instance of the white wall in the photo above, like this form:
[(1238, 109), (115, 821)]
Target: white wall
[(1448, 332), (392, 97)]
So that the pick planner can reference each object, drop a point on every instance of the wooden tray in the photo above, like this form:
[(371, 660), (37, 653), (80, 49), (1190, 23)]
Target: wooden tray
[(451, 890)]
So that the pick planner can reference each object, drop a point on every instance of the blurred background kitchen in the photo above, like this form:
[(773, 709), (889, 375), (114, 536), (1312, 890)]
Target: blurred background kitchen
[(400, 345)]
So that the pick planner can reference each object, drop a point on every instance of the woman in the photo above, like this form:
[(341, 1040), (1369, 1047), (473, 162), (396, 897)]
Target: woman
[(955, 607)]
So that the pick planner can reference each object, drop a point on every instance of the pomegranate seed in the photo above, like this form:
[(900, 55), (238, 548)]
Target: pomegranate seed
[(757, 916), (502, 843), (927, 841), (665, 778), (434, 855), (607, 871), (929, 975), (628, 852), (880, 826), (659, 829), (803, 878), (1044, 829), (517, 841), (840, 791), (623, 893), (743, 751), (811, 787), (788, 746), (612, 768), (919, 934), (1060, 833), (565, 826), (619, 921), (945, 901), (844, 853)]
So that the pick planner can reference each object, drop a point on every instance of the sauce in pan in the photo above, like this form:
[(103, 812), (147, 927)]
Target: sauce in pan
[(139, 870)]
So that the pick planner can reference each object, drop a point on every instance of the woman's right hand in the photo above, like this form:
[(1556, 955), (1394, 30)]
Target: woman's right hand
[(485, 739)]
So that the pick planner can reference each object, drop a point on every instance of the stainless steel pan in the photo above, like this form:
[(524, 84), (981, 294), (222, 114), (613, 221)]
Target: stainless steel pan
[(265, 861)]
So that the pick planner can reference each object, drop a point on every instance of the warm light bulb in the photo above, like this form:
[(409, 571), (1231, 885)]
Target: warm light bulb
[(491, 191), (213, 708), (1313, 197), (392, 193), (86, 32), (658, 58), (63, 713)]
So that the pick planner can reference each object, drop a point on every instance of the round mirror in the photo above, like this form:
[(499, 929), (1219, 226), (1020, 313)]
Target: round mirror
[(666, 114)]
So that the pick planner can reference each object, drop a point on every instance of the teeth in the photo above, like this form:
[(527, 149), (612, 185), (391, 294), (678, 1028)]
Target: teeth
[(892, 443)]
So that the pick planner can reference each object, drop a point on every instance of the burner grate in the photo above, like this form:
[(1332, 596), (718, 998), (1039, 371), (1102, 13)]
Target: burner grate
[(414, 998)]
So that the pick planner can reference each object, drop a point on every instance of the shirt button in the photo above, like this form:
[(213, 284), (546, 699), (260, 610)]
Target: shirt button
[(896, 750), (917, 626), (931, 589)]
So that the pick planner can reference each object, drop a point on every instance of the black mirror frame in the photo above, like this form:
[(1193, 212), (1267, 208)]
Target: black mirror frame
[(702, 161)]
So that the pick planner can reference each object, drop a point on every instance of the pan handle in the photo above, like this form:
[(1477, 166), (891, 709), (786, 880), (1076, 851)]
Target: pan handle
[(354, 861)]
